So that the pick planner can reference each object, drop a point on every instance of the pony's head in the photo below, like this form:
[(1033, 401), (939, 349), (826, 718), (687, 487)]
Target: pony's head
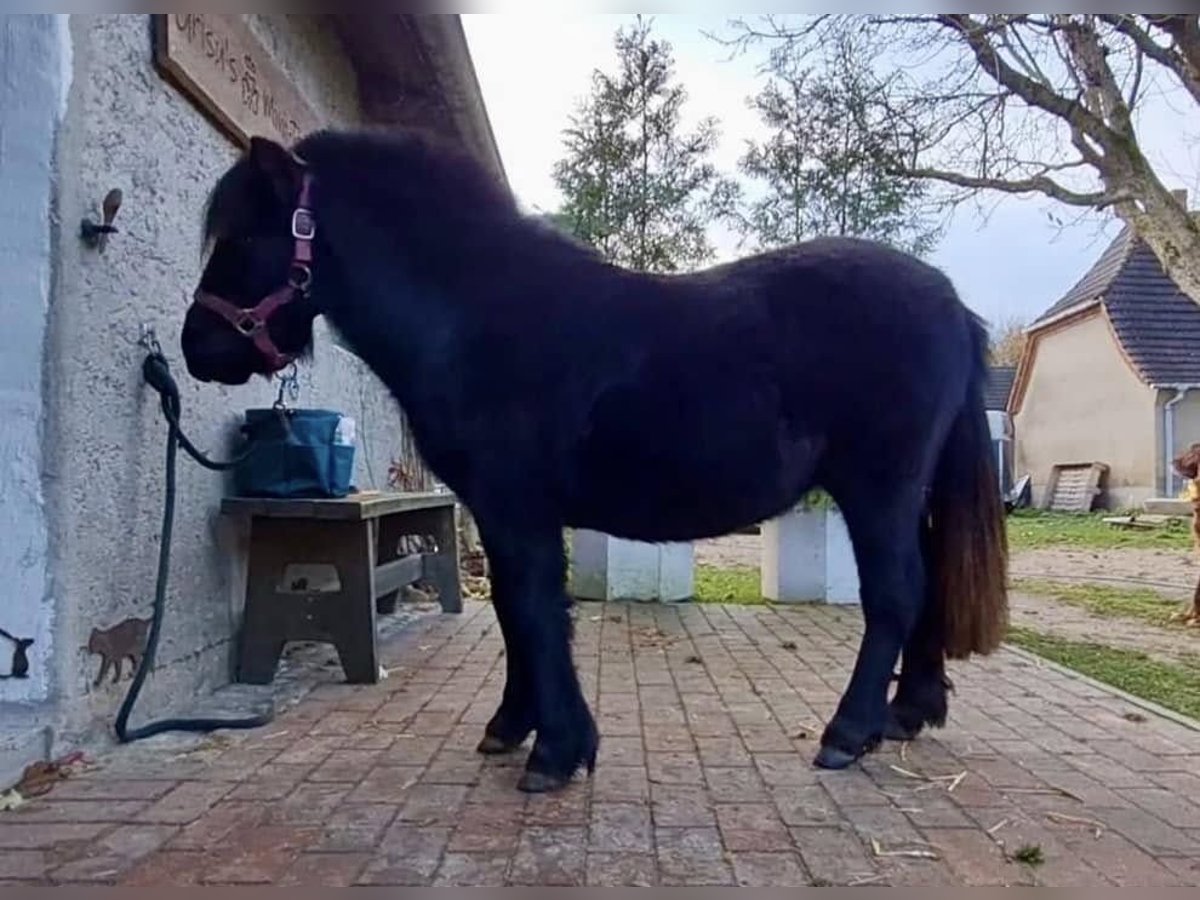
[(252, 312)]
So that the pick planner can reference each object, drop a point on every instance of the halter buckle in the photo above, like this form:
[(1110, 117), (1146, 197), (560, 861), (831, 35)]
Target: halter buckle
[(300, 277), (248, 323), (304, 224)]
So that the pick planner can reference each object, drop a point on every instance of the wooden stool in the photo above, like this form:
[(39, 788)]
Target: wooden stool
[(359, 537)]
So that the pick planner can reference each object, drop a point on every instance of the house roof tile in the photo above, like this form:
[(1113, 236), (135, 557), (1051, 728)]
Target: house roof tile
[(1157, 325), (999, 386)]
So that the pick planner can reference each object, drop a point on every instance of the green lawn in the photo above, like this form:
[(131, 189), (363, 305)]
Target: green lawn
[(1030, 529), (1176, 687), (1138, 604), (741, 585)]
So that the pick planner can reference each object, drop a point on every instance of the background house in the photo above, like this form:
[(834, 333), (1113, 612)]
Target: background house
[(1111, 374), (89, 103)]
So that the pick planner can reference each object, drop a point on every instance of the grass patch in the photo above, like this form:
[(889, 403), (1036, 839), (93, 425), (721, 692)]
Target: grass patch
[(1176, 687), (1031, 855), (1031, 529), (740, 585), (1137, 604)]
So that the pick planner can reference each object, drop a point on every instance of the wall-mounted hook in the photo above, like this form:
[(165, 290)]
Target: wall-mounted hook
[(96, 235), (147, 339)]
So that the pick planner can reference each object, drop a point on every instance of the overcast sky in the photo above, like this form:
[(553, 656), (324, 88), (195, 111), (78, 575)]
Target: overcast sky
[(533, 68)]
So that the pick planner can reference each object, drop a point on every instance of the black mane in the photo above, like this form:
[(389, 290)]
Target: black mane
[(418, 182), (426, 169), (437, 195)]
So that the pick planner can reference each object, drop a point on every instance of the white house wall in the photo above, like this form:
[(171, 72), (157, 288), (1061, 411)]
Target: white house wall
[(35, 71), (1084, 403), (127, 128)]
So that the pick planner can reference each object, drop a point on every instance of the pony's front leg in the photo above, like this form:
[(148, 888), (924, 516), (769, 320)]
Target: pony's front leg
[(528, 571), (515, 718)]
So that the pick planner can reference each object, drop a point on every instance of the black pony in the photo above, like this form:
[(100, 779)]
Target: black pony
[(548, 388)]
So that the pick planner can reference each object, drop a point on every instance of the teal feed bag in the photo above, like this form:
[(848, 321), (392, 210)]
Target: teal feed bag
[(297, 453)]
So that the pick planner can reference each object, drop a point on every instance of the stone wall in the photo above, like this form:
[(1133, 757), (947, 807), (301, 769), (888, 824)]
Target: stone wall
[(34, 77), (126, 127)]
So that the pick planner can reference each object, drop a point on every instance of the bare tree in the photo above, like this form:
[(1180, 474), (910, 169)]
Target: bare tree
[(1008, 341), (1043, 103)]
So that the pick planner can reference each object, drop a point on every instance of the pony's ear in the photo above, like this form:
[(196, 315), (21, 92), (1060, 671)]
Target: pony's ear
[(277, 164)]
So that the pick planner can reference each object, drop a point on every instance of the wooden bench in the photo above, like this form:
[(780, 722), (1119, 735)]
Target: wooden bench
[(359, 538)]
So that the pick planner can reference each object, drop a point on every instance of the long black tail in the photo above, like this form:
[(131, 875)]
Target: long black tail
[(967, 545)]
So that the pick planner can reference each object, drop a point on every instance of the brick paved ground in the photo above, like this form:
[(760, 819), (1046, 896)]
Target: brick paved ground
[(708, 715)]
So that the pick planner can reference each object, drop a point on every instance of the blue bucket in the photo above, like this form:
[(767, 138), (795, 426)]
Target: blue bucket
[(298, 453)]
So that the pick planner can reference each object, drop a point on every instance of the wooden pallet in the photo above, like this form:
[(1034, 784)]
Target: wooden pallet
[(1074, 487)]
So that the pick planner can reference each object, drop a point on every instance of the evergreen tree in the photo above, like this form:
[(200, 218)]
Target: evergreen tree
[(635, 184), (822, 170)]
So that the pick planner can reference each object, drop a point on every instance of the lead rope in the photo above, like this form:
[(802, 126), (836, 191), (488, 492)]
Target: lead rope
[(157, 373)]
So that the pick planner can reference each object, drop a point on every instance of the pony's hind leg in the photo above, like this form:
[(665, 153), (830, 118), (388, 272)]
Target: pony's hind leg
[(922, 690), (528, 570), (891, 578)]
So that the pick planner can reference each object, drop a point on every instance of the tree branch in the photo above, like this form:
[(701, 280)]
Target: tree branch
[(1064, 56), (1037, 184), (1030, 63), (1139, 67), (1185, 31), (1086, 150), (976, 36), (1184, 67), (1091, 59)]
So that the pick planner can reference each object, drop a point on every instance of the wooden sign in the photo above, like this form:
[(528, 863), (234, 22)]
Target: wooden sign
[(218, 62)]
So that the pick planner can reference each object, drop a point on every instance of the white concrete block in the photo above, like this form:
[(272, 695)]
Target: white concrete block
[(793, 557), (608, 568), (807, 557), (841, 568)]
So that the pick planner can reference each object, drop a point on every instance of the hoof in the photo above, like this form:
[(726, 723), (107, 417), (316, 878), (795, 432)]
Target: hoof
[(896, 730), (541, 783), (494, 746), (834, 758)]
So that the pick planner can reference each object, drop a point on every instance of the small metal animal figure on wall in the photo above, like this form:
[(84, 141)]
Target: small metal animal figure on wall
[(125, 640), (20, 658)]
